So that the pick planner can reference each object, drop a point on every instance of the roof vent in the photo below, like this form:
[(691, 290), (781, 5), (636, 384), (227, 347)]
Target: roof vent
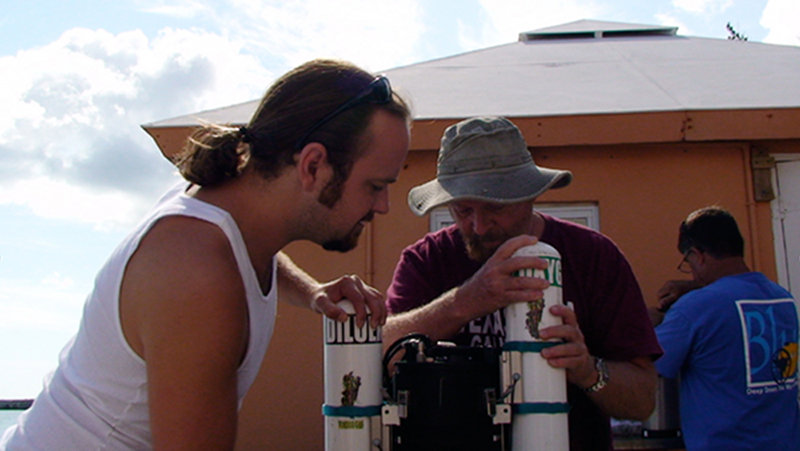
[(591, 29)]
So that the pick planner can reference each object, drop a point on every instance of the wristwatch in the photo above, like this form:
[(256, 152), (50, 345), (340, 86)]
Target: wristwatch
[(602, 376)]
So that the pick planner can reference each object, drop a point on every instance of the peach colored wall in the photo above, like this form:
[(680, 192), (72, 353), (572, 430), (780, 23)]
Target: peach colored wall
[(643, 192)]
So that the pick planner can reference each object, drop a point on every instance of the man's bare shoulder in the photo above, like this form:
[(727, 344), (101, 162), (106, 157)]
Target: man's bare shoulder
[(182, 274), (184, 245)]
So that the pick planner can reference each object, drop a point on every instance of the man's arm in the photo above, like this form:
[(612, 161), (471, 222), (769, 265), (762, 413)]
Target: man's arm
[(631, 386), (491, 288), (183, 310), (440, 319), (630, 391), (297, 287), (668, 294)]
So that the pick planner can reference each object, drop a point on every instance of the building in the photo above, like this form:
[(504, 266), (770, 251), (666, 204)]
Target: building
[(652, 124)]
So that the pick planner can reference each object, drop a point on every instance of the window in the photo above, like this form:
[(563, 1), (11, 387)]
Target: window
[(583, 214), (440, 218)]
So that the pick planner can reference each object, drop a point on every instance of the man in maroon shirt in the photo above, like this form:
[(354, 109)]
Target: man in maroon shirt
[(453, 283)]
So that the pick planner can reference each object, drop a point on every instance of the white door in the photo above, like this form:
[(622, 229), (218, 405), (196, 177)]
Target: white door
[(786, 223)]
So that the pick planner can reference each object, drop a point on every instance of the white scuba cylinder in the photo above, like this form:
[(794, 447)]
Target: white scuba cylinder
[(539, 397), (353, 381)]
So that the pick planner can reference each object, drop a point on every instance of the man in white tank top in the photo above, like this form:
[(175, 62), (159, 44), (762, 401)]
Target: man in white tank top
[(181, 314)]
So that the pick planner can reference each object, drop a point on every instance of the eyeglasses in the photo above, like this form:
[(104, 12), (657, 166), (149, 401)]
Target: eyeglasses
[(684, 265), (379, 91)]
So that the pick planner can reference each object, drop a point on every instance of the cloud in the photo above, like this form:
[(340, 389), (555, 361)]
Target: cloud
[(39, 316), (780, 18), (505, 23), (183, 9), (672, 21), (375, 34), (51, 198), (702, 6), (71, 145), (73, 108), (52, 303)]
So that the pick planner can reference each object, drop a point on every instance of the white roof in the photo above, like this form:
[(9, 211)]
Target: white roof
[(588, 67)]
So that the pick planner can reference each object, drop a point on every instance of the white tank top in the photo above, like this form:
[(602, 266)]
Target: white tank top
[(97, 397)]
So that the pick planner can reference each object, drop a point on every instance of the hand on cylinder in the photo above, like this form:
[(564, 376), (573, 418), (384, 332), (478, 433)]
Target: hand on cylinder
[(572, 355), (355, 290), (495, 286)]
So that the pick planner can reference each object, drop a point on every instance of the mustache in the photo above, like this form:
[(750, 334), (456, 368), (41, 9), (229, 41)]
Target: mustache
[(476, 239)]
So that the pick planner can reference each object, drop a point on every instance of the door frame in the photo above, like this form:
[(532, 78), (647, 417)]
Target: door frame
[(781, 259)]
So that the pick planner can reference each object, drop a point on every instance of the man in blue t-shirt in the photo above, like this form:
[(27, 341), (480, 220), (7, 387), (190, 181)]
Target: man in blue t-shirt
[(732, 342)]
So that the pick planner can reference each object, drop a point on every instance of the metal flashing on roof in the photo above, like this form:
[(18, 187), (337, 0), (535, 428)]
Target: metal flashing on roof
[(593, 29)]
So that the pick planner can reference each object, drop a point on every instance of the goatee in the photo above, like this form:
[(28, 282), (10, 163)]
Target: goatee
[(349, 241), (478, 251)]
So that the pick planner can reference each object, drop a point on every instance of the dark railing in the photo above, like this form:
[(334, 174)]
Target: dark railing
[(15, 404)]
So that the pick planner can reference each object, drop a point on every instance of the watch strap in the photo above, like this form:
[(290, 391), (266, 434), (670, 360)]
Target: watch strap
[(602, 376)]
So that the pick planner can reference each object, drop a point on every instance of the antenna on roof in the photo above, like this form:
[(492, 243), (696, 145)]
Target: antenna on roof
[(733, 34)]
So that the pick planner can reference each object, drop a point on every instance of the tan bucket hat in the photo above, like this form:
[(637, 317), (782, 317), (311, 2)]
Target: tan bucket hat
[(487, 159)]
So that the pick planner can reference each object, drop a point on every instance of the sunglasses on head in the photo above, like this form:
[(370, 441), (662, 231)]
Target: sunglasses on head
[(379, 91)]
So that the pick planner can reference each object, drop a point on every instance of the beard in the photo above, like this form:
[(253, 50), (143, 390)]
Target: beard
[(329, 196), (478, 248), (332, 191), (350, 240)]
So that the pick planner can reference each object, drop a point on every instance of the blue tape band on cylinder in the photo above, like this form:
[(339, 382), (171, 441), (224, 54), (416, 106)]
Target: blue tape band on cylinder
[(529, 346), (350, 411), (540, 407)]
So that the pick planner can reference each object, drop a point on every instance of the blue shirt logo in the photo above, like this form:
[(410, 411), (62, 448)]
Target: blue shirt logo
[(770, 332)]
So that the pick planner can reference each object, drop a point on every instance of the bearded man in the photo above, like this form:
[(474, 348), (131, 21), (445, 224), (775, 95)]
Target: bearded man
[(453, 283)]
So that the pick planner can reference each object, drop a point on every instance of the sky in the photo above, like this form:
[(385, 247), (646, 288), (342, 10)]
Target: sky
[(80, 77)]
